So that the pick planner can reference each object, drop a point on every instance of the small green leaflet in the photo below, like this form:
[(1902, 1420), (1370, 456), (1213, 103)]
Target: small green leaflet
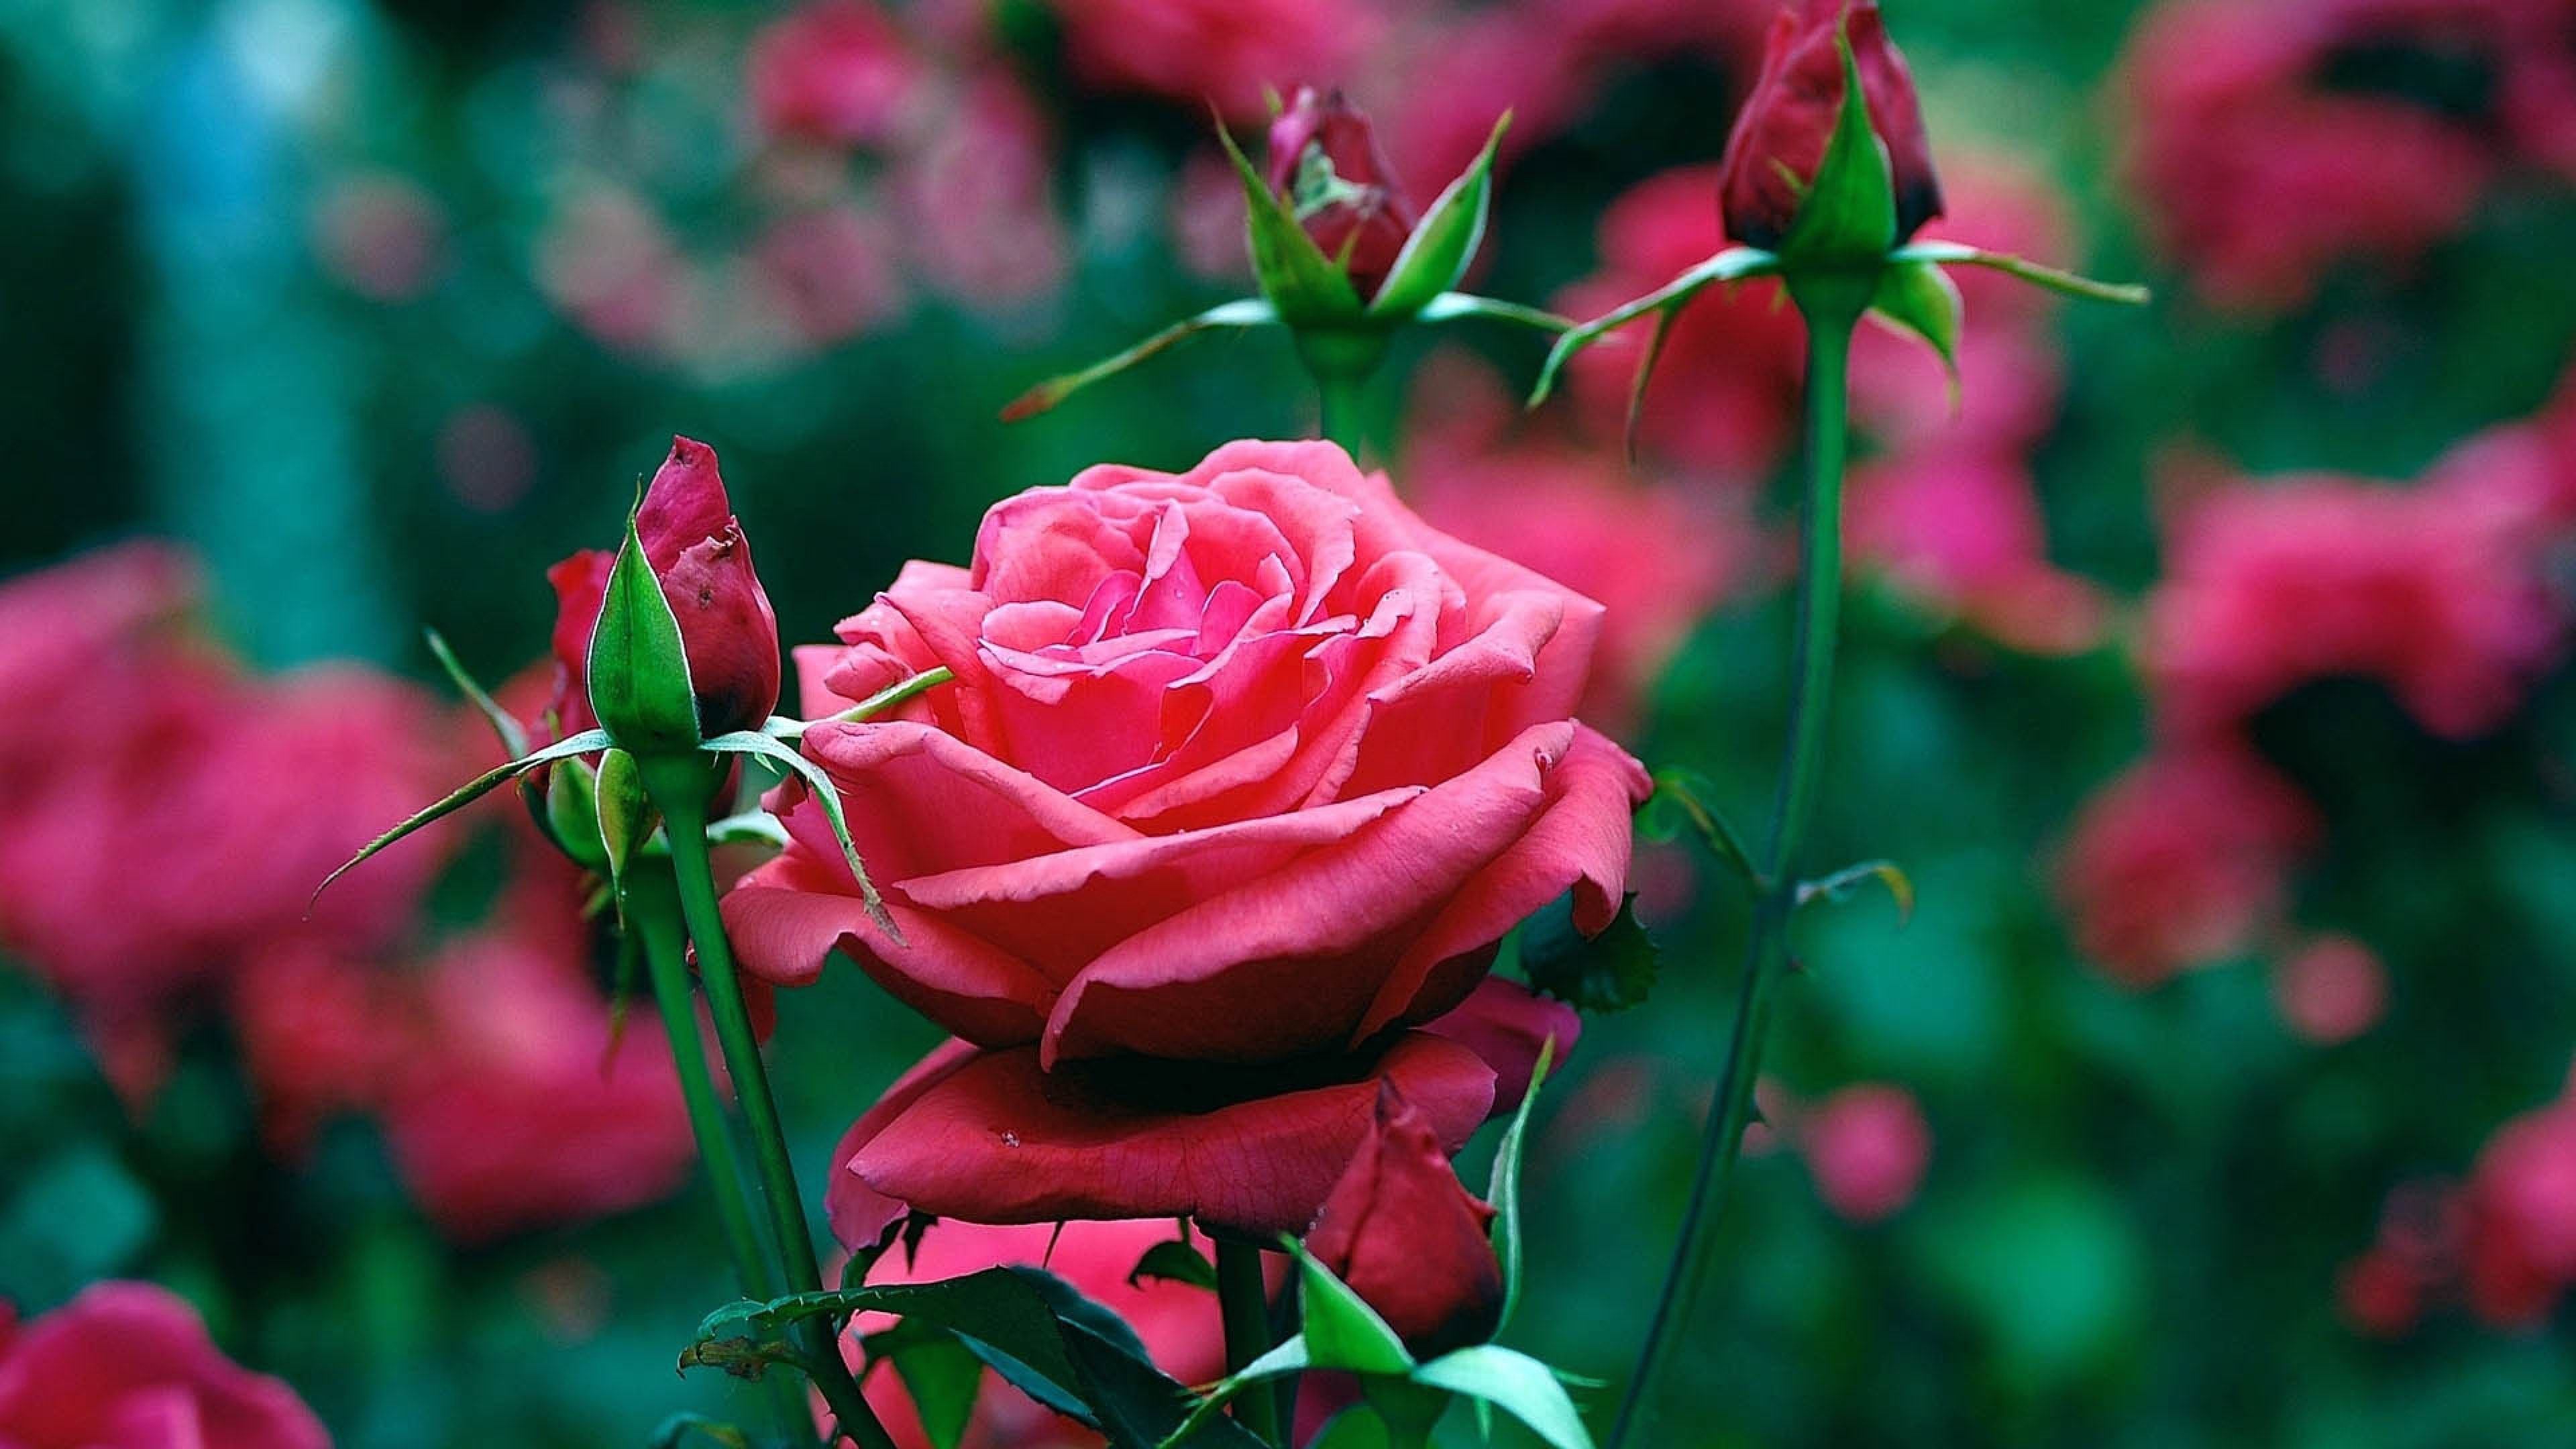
[(1609, 972)]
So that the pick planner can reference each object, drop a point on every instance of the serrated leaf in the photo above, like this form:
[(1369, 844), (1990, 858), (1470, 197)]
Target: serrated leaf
[(1515, 1383), (2064, 283), (819, 785), (1305, 286), (1735, 264), (1174, 1261), (1609, 972), (1919, 300), (1687, 794), (1838, 886), (943, 1377), (513, 735), (639, 669), (1342, 1331), (473, 790), (1246, 312), (1442, 244), (1503, 1191), (1455, 306), (1848, 216)]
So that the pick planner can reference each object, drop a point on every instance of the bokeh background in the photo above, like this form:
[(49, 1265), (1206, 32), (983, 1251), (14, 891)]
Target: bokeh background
[(2206, 665)]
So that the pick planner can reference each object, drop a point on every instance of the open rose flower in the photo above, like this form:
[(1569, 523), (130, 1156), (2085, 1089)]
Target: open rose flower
[(129, 1366), (1243, 772)]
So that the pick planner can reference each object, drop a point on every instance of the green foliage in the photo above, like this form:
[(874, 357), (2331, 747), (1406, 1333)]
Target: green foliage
[(1609, 972)]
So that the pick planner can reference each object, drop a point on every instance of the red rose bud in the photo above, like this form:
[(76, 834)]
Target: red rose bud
[(1326, 164), (1781, 135), (1408, 1239), (695, 548)]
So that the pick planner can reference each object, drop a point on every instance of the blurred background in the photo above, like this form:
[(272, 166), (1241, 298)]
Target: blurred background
[(2206, 665)]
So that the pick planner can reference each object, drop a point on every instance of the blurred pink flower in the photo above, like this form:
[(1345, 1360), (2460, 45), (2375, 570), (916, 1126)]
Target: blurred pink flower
[(607, 262), (2180, 862), (1725, 397), (2430, 590), (521, 1107), (834, 72), (975, 204), (2331, 990), (321, 1033), (486, 458), (1178, 1323), (1224, 52), (129, 1366), (830, 271), (383, 236), (1868, 1147), (1959, 529), (96, 638)]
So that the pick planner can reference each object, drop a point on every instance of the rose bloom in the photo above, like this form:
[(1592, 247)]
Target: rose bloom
[(2429, 590), (2180, 862), (1178, 1323), (1243, 772), (835, 72), (129, 1366), (1868, 1147), (1221, 51), (2277, 137), (519, 1106)]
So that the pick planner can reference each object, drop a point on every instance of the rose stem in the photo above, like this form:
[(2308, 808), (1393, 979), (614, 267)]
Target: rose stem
[(1833, 305), (652, 906), (1244, 1298), (678, 787), (1340, 417)]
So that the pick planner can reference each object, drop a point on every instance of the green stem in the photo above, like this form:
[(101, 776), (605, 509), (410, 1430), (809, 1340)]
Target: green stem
[(678, 785), (1341, 394), (1244, 1299), (1832, 312), (651, 902)]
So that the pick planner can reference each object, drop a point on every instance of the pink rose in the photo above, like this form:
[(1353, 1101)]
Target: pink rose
[(1408, 1238), (836, 72), (1244, 767), (129, 1366), (1867, 1147), (1221, 51)]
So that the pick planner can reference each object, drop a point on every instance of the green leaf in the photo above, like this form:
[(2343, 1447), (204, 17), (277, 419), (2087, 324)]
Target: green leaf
[(1609, 972), (624, 814), (571, 802), (677, 1428), (767, 747), (473, 790), (1246, 312), (1645, 373), (792, 730), (1919, 300), (1848, 217), (1357, 1427), (1436, 255), (514, 737), (1453, 306), (639, 669), (1342, 1331), (1284, 1358), (1838, 886), (1735, 264), (1306, 287), (1174, 1261), (2062, 282), (1504, 1190), (943, 1377), (1687, 793), (1514, 1382)]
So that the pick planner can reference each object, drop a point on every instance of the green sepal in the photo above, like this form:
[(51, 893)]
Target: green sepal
[(1306, 287), (623, 811), (779, 727), (1245, 312), (1503, 1190), (1735, 264), (1174, 1260), (2064, 283), (466, 794), (1342, 1331), (513, 735), (1357, 1427), (752, 827), (1514, 1382), (1444, 242), (571, 802), (1686, 793), (1289, 1356), (1848, 216), (819, 785), (1408, 1409), (639, 669), (1612, 971), (1839, 886), (1919, 300), (1459, 306)]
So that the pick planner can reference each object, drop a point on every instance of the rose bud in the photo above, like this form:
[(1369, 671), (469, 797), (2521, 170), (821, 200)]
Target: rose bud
[(698, 555), (1401, 1231), (1325, 163), (1780, 136)]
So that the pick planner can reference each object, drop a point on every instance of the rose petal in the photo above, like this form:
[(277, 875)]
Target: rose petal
[(860, 1214), (1506, 1023)]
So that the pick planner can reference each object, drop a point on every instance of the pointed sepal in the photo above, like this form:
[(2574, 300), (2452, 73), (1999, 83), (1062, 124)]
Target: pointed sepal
[(819, 785), (1919, 300), (639, 669), (1306, 287), (1437, 253), (1848, 216), (1242, 313), (466, 794)]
